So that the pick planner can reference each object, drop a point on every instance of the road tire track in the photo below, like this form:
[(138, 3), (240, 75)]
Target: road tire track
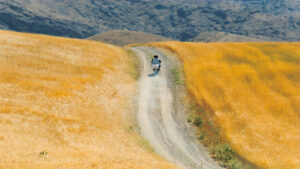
[(161, 115)]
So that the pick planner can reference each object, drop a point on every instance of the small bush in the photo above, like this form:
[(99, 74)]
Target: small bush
[(225, 156), (201, 136), (234, 164), (198, 121), (43, 154), (223, 153)]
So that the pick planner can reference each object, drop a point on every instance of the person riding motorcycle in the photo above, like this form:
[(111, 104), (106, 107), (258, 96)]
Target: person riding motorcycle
[(156, 63)]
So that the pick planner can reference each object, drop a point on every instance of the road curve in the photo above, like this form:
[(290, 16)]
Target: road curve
[(161, 115)]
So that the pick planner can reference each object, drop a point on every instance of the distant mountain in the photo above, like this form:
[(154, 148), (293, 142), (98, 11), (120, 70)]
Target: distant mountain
[(124, 37), (176, 19), (226, 37)]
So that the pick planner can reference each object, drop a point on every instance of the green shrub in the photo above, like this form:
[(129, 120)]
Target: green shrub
[(198, 121), (223, 153), (225, 156), (234, 164), (201, 136)]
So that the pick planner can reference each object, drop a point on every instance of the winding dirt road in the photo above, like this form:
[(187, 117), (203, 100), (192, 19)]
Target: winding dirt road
[(161, 115)]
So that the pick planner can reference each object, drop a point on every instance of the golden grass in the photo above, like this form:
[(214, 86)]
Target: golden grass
[(64, 103), (254, 91)]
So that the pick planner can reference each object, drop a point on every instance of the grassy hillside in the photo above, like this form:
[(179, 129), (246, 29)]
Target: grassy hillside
[(64, 103), (123, 37), (253, 90)]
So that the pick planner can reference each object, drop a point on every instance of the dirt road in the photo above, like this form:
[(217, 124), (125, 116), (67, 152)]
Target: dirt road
[(161, 115)]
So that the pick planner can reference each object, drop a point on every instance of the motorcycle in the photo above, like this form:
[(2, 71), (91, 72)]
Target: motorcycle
[(155, 68)]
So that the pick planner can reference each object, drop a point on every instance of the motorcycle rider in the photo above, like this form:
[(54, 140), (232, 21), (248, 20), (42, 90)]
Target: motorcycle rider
[(156, 61)]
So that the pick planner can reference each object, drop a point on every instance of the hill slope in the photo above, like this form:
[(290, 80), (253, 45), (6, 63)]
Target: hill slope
[(122, 38), (252, 92), (225, 37), (64, 104), (175, 19)]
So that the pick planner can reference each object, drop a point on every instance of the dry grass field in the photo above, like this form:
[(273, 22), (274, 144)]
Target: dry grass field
[(254, 92), (65, 103)]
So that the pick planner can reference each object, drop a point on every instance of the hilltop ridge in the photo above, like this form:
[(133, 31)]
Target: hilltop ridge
[(175, 19), (226, 37), (125, 37)]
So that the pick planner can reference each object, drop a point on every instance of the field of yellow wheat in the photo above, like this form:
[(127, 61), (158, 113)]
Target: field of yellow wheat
[(65, 103), (254, 92)]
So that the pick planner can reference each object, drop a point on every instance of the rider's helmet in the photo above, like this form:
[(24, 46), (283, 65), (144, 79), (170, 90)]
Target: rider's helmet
[(155, 56)]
